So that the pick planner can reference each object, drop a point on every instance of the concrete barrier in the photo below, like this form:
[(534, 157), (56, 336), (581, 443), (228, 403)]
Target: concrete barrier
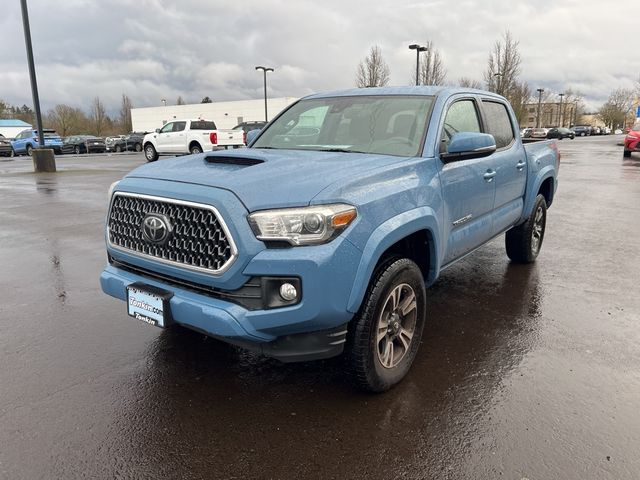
[(43, 160)]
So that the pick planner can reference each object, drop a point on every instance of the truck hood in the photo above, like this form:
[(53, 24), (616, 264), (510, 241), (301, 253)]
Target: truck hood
[(266, 178)]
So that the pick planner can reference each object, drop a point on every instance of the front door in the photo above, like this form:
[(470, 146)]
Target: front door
[(164, 138), (468, 186)]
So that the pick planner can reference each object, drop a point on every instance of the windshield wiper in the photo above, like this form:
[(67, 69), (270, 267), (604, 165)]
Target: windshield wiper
[(341, 150)]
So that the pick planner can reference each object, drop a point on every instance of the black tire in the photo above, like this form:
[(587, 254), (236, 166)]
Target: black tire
[(118, 148), (76, 150), (195, 149), (626, 153), (13, 153), (138, 147), (363, 357), (523, 243), (29, 150), (150, 153)]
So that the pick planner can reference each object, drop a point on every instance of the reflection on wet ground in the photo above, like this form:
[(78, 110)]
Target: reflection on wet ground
[(524, 371)]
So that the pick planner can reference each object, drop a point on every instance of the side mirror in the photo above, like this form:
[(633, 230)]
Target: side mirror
[(157, 130), (468, 145), (252, 134)]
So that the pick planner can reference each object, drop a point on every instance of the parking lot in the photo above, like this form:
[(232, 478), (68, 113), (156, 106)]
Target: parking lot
[(525, 371)]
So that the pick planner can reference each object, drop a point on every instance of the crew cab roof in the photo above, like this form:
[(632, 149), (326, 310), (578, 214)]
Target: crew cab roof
[(405, 90)]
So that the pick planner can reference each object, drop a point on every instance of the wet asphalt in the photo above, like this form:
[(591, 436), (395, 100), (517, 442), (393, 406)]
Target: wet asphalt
[(524, 372)]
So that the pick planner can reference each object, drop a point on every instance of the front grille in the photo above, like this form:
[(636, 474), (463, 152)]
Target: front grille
[(199, 239)]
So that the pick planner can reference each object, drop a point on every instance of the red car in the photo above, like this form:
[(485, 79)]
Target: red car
[(632, 141)]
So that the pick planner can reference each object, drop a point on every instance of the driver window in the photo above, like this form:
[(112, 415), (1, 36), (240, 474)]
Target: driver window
[(167, 128), (461, 117)]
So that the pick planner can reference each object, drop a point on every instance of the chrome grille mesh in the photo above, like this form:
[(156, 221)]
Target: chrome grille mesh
[(198, 239)]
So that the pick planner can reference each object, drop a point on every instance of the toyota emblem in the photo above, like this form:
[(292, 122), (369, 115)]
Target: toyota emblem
[(156, 228)]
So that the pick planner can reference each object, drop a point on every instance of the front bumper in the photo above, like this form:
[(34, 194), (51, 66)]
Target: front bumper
[(312, 329)]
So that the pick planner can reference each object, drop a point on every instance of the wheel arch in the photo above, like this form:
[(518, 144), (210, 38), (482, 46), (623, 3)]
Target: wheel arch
[(195, 142), (404, 235)]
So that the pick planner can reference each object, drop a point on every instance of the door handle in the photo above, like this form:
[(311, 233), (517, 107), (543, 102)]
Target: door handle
[(521, 164), (489, 175)]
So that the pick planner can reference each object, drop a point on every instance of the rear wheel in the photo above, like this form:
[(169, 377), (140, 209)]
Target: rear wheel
[(150, 153), (523, 243), (77, 150), (29, 150), (195, 148), (118, 148), (138, 147), (384, 337)]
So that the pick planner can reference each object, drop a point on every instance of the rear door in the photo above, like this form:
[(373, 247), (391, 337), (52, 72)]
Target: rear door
[(468, 186), (509, 161), (178, 139)]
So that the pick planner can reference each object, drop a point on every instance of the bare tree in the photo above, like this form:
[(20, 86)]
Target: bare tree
[(432, 71), (519, 96), (373, 71), (126, 124), (617, 108), (180, 101), (98, 117), (469, 83), (503, 66), (66, 120)]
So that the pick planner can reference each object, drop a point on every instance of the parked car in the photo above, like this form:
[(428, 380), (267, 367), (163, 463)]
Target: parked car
[(111, 141), (27, 140), (596, 131), (83, 144), (5, 147), (606, 131), (539, 133), (560, 133), (320, 241), (581, 130), (526, 132), (189, 136), (127, 143), (632, 141)]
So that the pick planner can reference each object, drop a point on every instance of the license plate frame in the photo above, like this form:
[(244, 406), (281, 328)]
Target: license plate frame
[(149, 304)]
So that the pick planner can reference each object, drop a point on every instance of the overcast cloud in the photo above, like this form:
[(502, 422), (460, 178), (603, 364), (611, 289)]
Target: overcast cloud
[(155, 49)]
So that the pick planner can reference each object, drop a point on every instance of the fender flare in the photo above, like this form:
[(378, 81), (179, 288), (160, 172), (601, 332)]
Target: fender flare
[(532, 192), (387, 234)]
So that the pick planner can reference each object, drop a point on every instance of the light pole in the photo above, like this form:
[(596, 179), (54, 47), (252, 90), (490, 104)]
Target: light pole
[(539, 90), (500, 76), (164, 102), (418, 49), (43, 160), (264, 71), (561, 113)]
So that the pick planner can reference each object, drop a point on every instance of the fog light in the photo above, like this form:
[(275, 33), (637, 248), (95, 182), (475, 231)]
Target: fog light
[(288, 292)]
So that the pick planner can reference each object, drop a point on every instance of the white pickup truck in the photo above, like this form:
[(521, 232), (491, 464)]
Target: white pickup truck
[(189, 136)]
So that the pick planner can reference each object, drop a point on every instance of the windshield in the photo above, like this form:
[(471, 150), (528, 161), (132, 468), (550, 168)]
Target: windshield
[(388, 125)]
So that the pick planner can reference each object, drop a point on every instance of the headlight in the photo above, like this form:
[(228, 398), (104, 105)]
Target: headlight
[(111, 189), (302, 226)]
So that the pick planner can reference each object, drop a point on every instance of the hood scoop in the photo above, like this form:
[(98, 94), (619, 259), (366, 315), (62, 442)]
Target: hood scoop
[(235, 161)]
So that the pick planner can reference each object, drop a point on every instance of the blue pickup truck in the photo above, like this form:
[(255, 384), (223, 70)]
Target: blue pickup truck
[(321, 237)]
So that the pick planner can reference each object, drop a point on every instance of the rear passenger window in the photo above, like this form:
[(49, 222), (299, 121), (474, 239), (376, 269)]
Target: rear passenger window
[(498, 123)]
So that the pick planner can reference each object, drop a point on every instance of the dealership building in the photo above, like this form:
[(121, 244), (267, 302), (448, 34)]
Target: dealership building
[(224, 114)]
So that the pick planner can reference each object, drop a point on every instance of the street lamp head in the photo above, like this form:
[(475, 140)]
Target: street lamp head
[(265, 69), (540, 90), (422, 49), (414, 46)]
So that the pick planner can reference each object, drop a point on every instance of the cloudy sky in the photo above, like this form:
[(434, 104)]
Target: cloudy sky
[(155, 49)]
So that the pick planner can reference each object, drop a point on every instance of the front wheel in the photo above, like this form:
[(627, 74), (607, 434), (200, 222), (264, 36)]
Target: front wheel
[(626, 153), (118, 149), (523, 243), (150, 153), (384, 336)]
